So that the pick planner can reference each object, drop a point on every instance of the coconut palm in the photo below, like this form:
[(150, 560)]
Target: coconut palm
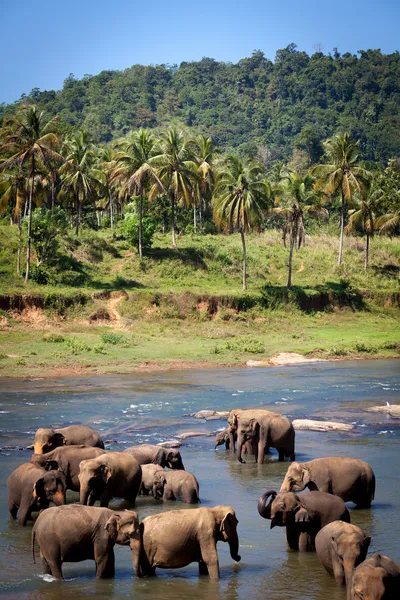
[(78, 174), (132, 170), (176, 170), (30, 141), (241, 198), (203, 151), (342, 175), (296, 199)]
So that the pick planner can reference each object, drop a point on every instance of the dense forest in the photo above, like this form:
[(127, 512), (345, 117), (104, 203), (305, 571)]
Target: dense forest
[(257, 107)]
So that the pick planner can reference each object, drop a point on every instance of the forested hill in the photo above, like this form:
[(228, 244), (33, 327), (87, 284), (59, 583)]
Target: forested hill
[(294, 102)]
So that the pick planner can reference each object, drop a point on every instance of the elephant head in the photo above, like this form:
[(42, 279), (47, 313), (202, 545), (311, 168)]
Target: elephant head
[(50, 488), (348, 550), (376, 578), (47, 440), (124, 529), (283, 508), (247, 430), (297, 478), (159, 482), (226, 524), (173, 460), (93, 479), (221, 438)]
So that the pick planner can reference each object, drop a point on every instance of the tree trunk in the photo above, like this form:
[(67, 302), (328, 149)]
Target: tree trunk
[(201, 213), (289, 282), (173, 220), (52, 188), (111, 211), (28, 251), (194, 217), (141, 226), (366, 252), (78, 216), (19, 243), (341, 231), (244, 258)]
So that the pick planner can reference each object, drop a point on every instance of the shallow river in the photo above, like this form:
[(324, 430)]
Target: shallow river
[(133, 409)]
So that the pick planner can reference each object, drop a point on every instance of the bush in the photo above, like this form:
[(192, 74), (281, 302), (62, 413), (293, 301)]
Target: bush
[(40, 275), (112, 338), (47, 227), (128, 228), (54, 338)]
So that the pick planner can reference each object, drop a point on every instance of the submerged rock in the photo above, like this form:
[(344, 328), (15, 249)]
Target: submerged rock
[(188, 434), (209, 415), (170, 444), (393, 410), (308, 424)]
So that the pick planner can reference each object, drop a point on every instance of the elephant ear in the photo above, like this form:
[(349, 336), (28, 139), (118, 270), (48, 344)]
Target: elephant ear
[(306, 477), (228, 525), (59, 439), (38, 489), (106, 472), (51, 465), (112, 526)]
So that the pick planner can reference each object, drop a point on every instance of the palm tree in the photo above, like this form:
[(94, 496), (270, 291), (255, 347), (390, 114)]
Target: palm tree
[(297, 199), (342, 175), (29, 140), (13, 192), (176, 170), (133, 171), (241, 198), (202, 150), (78, 173)]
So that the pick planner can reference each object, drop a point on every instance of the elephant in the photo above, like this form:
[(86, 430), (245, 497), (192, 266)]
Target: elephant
[(47, 440), (303, 515), (264, 429), (176, 538), (148, 472), (67, 459), (165, 457), (224, 437), (174, 485), (31, 488), (110, 475), (74, 533), (351, 479), (341, 547), (377, 578)]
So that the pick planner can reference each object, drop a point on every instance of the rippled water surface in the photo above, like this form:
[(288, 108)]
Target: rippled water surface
[(148, 408)]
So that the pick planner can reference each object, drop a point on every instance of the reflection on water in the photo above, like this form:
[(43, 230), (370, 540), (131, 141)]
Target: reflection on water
[(134, 409)]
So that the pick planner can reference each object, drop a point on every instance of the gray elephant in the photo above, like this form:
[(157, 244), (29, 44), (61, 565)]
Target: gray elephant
[(74, 533), (111, 475), (157, 455), (351, 479), (377, 578), (264, 429), (224, 437), (148, 472), (341, 547), (176, 538), (31, 488), (176, 485), (47, 440), (303, 515), (67, 459)]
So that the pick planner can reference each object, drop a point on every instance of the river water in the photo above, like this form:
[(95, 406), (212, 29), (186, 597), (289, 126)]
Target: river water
[(148, 408)]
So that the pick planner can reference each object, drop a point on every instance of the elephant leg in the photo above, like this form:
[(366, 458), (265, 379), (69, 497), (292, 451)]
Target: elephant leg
[(46, 570), (210, 557), (55, 568), (104, 499), (260, 451), (13, 509), (202, 568), (105, 566), (281, 454), (231, 442), (292, 537), (306, 542), (24, 513)]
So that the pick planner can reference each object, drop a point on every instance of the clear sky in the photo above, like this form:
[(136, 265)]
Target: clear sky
[(42, 41)]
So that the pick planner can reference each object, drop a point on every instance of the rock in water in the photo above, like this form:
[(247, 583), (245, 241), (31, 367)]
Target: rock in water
[(308, 424)]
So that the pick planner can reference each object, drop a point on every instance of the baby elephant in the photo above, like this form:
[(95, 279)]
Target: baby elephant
[(341, 547), (47, 440), (303, 515), (351, 479), (176, 538), (148, 472), (377, 578), (176, 485), (74, 533), (147, 454), (31, 488)]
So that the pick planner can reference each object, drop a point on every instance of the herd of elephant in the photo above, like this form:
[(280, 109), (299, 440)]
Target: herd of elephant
[(317, 520)]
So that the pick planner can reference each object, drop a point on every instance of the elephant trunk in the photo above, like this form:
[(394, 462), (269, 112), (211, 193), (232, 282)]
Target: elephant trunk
[(348, 567), (264, 508), (286, 485), (234, 548), (84, 495), (38, 448), (136, 547), (59, 498)]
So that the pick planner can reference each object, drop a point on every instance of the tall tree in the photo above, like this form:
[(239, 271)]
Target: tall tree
[(78, 173), (133, 172), (30, 141), (176, 170), (362, 217), (241, 198), (342, 175), (296, 199), (203, 152)]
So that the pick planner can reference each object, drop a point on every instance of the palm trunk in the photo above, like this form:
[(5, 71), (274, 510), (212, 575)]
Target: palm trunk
[(290, 264), (78, 215), (28, 251), (173, 220), (52, 188), (141, 226), (366, 252), (111, 211), (341, 231), (244, 258), (194, 217), (19, 243), (201, 214)]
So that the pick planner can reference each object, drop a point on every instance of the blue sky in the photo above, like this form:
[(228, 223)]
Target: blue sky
[(43, 41)]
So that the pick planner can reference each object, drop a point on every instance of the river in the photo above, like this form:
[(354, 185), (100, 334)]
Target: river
[(148, 408)]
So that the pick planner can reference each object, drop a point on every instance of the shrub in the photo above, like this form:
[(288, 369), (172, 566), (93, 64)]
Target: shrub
[(47, 227), (54, 338), (245, 346), (112, 338), (40, 275), (76, 346), (128, 228)]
